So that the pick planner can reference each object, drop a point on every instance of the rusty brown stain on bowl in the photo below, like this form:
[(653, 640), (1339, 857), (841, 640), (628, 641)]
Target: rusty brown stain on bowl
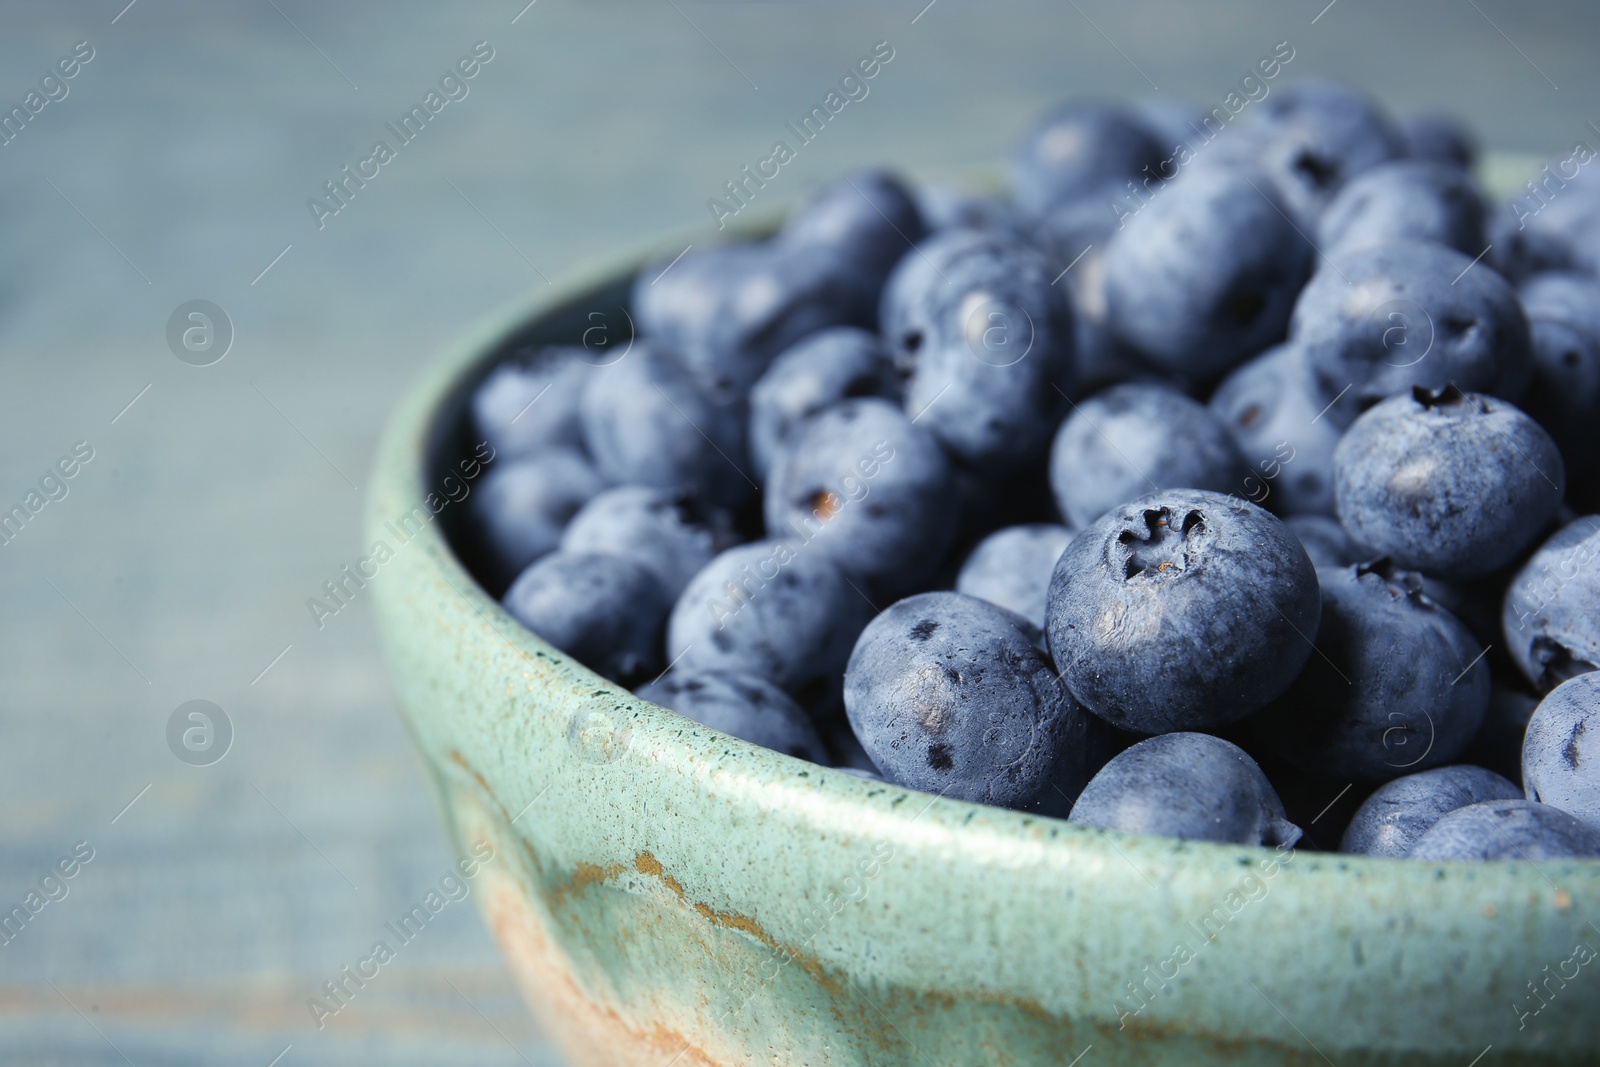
[(483, 783), (584, 874), (646, 863), (589, 1033), (527, 846)]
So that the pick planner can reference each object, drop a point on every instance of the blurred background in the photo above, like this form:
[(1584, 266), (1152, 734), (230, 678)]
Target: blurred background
[(227, 885)]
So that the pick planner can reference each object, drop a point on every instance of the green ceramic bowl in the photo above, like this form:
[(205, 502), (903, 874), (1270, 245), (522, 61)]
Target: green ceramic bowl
[(666, 894)]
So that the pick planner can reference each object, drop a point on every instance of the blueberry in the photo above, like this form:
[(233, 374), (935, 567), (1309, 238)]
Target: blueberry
[(1076, 148), (1012, 568), (1397, 683), (670, 531), (1549, 620), (1583, 240), (1564, 319), (1074, 234), (846, 747), (1191, 786), (1437, 138), (1324, 540), (684, 307), (604, 611), (949, 694), (985, 342), (1206, 273), (951, 207), (647, 422), (530, 402), (868, 217), (1507, 830), (1072, 231), (1273, 409), (1561, 752), (1391, 820), (1405, 200), (1316, 135), (1133, 439), (1182, 610), (1521, 252), (1452, 484), (1173, 123), (750, 708), (1378, 320), (522, 505), (775, 609), (727, 311), (864, 486), (829, 366), (1557, 207)]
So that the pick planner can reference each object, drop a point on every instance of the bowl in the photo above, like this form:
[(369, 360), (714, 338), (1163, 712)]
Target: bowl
[(667, 895)]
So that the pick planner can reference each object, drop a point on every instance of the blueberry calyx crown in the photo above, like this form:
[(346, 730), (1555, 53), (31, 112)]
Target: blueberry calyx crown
[(1163, 548), (1322, 172), (1556, 662), (690, 508), (1401, 583), (1450, 397)]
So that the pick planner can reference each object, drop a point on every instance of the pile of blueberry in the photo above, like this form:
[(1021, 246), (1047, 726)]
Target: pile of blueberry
[(1235, 488)]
